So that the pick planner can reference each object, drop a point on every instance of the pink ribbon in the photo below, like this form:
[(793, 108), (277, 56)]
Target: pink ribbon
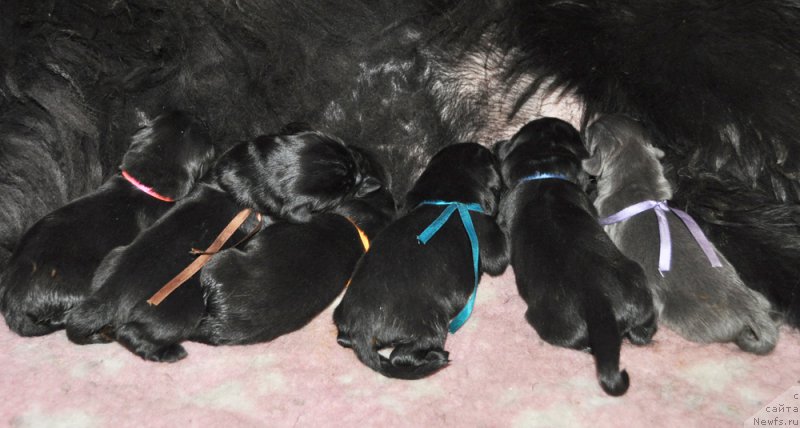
[(149, 190)]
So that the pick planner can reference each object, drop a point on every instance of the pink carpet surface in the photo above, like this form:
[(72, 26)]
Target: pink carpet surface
[(501, 375)]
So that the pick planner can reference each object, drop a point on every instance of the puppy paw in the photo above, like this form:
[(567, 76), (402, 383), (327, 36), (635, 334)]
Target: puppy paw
[(643, 334), (759, 339), (137, 338), (167, 354), (344, 340)]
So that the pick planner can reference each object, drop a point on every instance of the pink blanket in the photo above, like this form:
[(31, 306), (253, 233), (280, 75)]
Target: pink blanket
[(501, 374)]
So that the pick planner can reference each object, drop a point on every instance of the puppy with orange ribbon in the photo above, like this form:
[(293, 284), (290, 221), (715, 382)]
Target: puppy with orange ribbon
[(290, 272)]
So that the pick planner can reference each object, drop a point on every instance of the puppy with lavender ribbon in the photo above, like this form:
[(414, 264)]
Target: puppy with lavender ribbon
[(149, 297), (697, 291), (419, 279), (50, 272), (582, 292)]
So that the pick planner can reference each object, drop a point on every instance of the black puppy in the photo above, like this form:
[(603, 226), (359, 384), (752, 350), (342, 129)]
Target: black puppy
[(582, 293), (51, 269), (320, 170), (288, 273), (403, 294)]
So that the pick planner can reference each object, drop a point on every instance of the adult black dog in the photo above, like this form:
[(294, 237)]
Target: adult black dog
[(582, 293), (403, 295), (718, 78), (319, 171), (51, 269)]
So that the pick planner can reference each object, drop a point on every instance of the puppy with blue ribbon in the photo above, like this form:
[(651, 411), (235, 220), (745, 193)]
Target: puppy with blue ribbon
[(419, 280), (582, 292)]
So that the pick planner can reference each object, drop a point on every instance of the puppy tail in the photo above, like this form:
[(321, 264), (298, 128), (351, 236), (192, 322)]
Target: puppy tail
[(606, 341), (407, 360), (88, 323)]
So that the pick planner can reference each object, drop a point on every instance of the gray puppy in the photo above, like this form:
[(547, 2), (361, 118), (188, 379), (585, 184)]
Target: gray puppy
[(700, 302)]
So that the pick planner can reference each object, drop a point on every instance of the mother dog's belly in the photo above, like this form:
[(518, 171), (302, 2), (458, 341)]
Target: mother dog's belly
[(477, 100)]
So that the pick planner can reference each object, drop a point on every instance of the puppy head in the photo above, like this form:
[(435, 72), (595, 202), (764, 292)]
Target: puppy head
[(170, 154), (610, 136), (465, 172), (546, 145), (293, 176), (372, 205)]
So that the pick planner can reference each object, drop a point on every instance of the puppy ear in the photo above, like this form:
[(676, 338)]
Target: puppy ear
[(501, 149), (298, 213), (595, 133), (658, 152), (593, 165), (367, 186)]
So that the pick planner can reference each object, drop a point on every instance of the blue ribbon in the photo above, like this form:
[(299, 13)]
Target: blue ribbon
[(463, 211), (544, 176)]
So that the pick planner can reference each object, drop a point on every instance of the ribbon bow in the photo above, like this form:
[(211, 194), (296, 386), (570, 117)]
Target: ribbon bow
[(665, 250), (463, 211)]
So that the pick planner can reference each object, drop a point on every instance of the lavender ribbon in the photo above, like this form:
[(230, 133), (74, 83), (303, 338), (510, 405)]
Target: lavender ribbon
[(665, 250)]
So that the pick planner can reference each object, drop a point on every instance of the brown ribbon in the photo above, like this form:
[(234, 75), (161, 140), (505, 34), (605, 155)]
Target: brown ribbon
[(203, 258)]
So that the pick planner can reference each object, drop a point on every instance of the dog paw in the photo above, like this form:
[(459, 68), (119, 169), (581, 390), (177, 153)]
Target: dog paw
[(643, 334), (344, 340), (167, 354)]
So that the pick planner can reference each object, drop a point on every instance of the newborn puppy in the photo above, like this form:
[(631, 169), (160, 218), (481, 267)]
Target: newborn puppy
[(701, 302), (288, 273), (404, 294), (51, 269), (582, 293), (316, 166)]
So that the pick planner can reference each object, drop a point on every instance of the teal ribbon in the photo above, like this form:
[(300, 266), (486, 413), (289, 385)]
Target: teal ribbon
[(463, 211), (544, 176)]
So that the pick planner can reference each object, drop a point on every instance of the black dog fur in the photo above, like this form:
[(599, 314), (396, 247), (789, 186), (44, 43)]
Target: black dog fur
[(582, 293), (51, 269), (718, 78), (119, 311), (291, 176), (403, 295), (130, 275), (288, 273)]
